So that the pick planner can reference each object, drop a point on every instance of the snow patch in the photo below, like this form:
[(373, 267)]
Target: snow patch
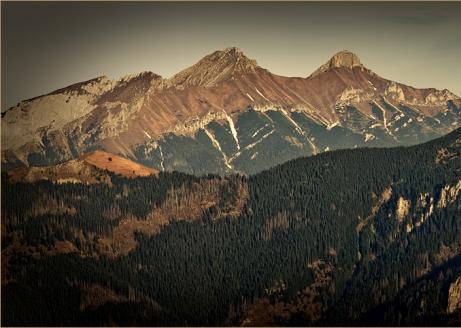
[(251, 98), (162, 159), (261, 94), (384, 116), (217, 146), (233, 130), (252, 145), (390, 104), (147, 134), (262, 138), (259, 130), (297, 127)]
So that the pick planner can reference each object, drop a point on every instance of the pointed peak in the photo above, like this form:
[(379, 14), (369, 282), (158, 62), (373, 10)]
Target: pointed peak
[(216, 67), (342, 59), (231, 53), (231, 50), (140, 75), (231, 56)]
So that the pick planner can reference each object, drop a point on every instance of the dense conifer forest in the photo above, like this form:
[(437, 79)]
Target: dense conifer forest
[(350, 237)]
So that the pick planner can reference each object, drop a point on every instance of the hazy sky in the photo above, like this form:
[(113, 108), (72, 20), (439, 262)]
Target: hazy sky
[(46, 46)]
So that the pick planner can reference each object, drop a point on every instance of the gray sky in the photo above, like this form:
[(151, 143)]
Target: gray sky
[(46, 46)]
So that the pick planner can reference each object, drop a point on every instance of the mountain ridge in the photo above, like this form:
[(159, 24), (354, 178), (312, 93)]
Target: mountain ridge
[(338, 60), (140, 115), (89, 168)]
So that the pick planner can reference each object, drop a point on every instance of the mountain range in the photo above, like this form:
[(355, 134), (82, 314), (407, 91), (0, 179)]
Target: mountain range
[(225, 114), (228, 195)]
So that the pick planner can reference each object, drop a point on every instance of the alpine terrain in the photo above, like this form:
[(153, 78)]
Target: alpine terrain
[(230, 196), (224, 115)]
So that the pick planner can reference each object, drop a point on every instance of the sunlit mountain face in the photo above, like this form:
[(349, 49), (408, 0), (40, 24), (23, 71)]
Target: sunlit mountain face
[(226, 114)]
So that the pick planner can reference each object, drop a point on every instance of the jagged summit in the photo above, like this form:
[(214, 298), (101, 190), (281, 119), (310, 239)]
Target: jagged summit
[(231, 56), (344, 59), (138, 75), (230, 51), (215, 67)]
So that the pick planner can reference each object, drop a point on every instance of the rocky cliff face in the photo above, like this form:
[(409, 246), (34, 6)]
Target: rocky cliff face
[(343, 59), (227, 109), (454, 297), (214, 68)]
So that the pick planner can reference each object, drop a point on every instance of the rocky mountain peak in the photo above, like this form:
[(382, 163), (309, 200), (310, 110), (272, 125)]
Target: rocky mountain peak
[(229, 57), (342, 59), (215, 67), (140, 75)]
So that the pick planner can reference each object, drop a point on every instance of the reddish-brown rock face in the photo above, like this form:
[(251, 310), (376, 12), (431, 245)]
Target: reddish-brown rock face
[(140, 111)]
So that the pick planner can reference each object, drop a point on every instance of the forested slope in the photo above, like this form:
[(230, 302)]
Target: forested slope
[(363, 236)]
